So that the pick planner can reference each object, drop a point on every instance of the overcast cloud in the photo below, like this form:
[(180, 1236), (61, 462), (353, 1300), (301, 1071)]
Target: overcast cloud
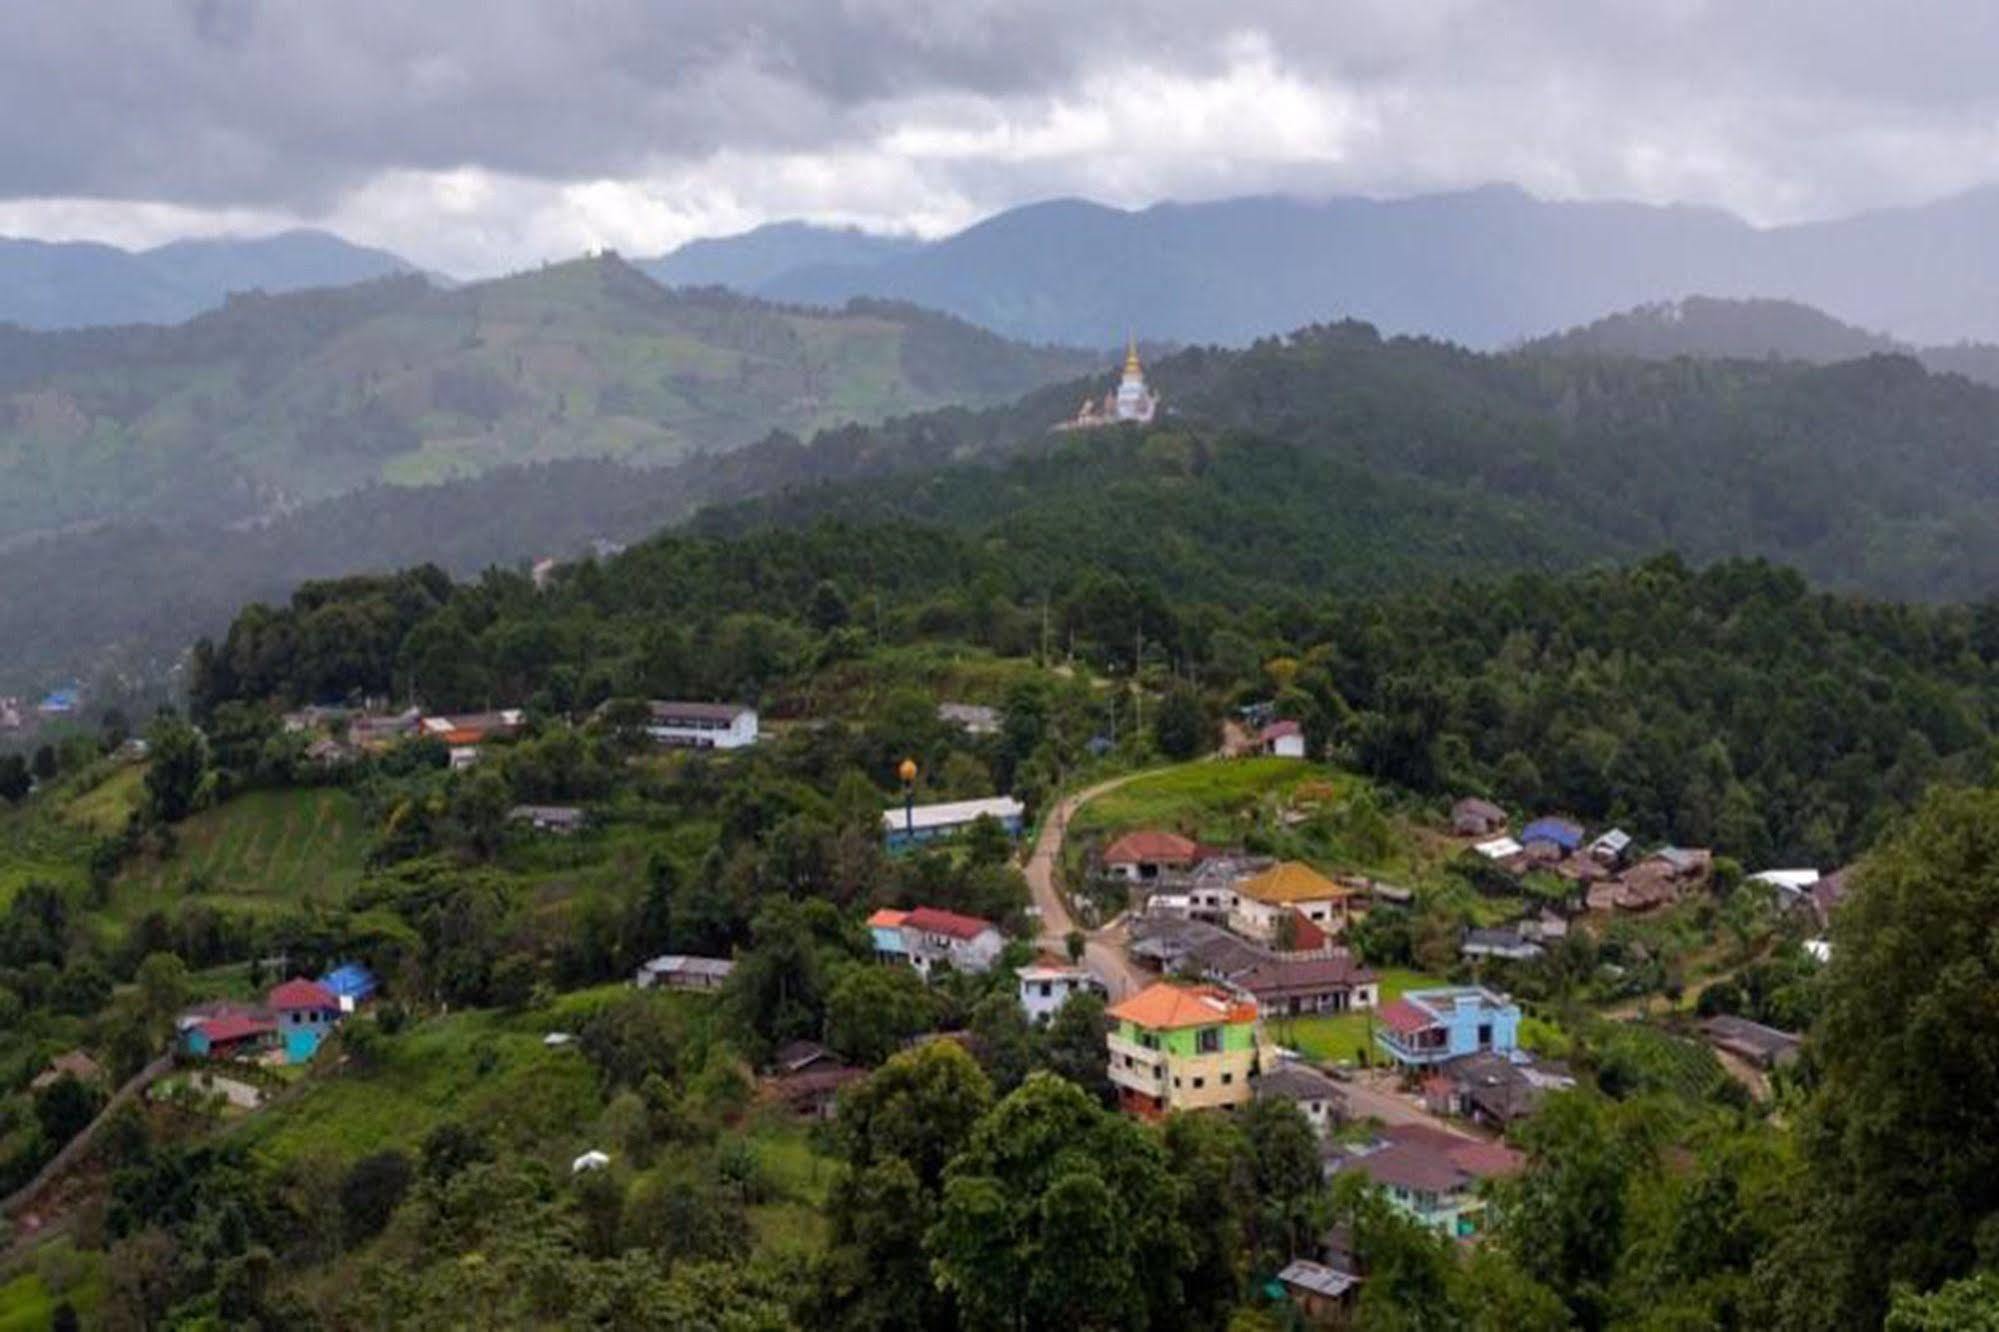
[(480, 135)]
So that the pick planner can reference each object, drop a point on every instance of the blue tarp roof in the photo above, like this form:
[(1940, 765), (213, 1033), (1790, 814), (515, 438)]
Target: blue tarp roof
[(350, 981), (1559, 831)]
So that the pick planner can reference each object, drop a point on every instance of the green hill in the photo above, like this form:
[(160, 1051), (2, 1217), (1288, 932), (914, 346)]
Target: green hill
[(272, 402)]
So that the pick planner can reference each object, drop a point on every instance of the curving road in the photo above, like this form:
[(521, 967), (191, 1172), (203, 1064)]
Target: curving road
[(1103, 954)]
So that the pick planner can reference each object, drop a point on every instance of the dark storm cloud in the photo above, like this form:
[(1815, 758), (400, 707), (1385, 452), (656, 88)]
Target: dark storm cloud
[(374, 114)]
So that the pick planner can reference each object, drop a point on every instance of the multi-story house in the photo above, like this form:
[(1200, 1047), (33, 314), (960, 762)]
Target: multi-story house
[(1427, 1027), (1183, 1047)]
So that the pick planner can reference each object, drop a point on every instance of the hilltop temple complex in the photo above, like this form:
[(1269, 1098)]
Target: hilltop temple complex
[(1130, 401)]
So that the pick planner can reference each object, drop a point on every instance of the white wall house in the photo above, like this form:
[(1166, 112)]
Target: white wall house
[(702, 725), (1047, 983), (935, 938)]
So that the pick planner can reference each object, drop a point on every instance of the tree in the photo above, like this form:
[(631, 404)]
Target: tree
[(1904, 1168), (1285, 1174), (64, 1108), (15, 780), (372, 1190), (162, 986), (919, 1108), (45, 765), (1073, 1046), (1970, 1304), (1181, 728), (1075, 943), (872, 1010), (177, 758)]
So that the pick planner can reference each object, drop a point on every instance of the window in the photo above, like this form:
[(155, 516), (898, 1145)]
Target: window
[(1208, 1040), (1228, 1079), (1484, 1034), (1047, 989), (1200, 1083)]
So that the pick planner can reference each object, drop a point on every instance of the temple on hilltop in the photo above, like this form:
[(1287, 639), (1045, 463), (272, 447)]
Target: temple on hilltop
[(1130, 401)]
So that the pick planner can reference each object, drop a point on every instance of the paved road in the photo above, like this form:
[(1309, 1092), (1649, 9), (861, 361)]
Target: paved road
[(1104, 953)]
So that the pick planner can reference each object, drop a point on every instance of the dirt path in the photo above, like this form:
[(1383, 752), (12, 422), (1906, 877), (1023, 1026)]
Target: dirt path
[(1103, 954), (16, 1202)]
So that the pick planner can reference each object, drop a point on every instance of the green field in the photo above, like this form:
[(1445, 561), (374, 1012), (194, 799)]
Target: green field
[(1214, 801), (1336, 1038), (105, 808), (474, 1066), (263, 850), (26, 1302)]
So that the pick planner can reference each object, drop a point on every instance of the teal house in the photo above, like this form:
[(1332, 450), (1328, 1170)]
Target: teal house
[(305, 1011)]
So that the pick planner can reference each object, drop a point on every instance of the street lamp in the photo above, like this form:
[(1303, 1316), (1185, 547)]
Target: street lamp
[(907, 771)]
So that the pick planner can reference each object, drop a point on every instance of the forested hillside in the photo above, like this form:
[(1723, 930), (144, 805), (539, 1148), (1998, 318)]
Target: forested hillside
[(1707, 328), (276, 401)]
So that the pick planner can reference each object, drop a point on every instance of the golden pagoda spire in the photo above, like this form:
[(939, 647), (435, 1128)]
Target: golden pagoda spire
[(1131, 355)]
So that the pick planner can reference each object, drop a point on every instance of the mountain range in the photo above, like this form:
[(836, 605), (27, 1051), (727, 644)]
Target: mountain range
[(78, 284), (1486, 267), (274, 401)]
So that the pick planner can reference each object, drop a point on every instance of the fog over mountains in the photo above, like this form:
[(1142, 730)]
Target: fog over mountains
[(1484, 267)]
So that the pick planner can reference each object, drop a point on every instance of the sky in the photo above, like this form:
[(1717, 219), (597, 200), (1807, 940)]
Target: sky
[(480, 136)]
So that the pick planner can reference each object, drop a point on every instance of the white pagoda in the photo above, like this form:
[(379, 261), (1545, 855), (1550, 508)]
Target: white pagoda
[(1130, 401)]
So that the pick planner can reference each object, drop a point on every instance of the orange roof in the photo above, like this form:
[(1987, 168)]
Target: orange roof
[(1292, 881), (465, 735), (888, 918), (1151, 845), (1165, 1007)]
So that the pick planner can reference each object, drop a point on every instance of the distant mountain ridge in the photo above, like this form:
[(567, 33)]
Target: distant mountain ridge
[(747, 261), (1708, 328), (82, 284), (275, 401), (1486, 267)]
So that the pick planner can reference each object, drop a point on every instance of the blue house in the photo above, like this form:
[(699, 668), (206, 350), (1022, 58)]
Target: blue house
[(59, 703), (1563, 833), (352, 984), (1427, 1027), (305, 1011)]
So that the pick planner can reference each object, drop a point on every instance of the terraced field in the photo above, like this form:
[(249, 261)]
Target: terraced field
[(263, 850)]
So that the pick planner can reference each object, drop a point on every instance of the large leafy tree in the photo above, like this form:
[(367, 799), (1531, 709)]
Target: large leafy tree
[(1904, 1165)]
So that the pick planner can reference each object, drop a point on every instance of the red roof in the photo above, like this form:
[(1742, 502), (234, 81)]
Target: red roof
[(301, 993), (930, 920), (1152, 846), (1404, 1018), (223, 1030), (1279, 729)]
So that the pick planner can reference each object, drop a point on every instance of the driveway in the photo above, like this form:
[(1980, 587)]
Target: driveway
[(1103, 954)]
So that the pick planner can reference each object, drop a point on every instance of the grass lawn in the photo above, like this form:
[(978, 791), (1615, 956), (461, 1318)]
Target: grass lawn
[(1335, 1037), (473, 1066), (105, 808), (1212, 800), (262, 850)]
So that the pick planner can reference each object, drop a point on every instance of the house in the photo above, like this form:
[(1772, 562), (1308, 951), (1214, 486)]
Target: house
[(326, 752), (60, 702), (1765, 1047), (1143, 855), (935, 938), (1282, 739), (465, 735), (1332, 983), (1429, 1175), (1685, 863), (1610, 848), (971, 718), (230, 1036), (1547, 926), (561, 820), (379, 730), (1507, 945), (701, 725), (1790, 887), (1563, 834), (1211, 885), (352, 985), (885, 926), (1047, 983), (1323, 1296), (304, 1011), (1494, 1088), (1499, 849), (679, 971), (807, 1078), (10, 714), (1183, 1047), (1317, 1096), (1424, 1028), (76, 1064), (1261, 901), (917, 825), (1473, 817)]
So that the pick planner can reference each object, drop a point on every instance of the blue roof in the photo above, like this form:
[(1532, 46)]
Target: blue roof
[(350, 981), (1559, 831)]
